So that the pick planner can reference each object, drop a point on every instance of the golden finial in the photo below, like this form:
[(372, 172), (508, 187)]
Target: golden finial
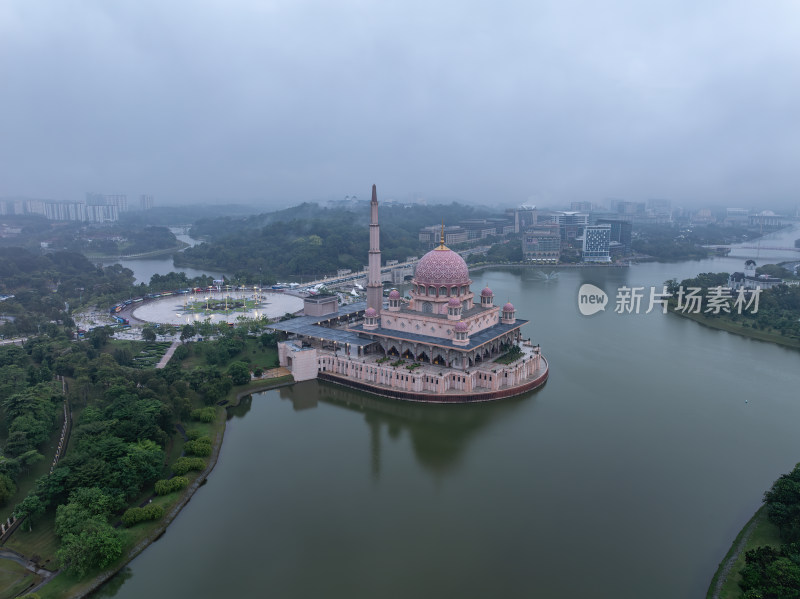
[(442, 246)]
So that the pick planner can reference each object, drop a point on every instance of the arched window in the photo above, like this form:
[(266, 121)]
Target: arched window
[(427, 308), (454, 291), (442, 291), (431, 290)]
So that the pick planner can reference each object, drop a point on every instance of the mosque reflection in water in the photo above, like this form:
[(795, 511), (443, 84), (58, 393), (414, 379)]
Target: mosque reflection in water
[(439, 434)]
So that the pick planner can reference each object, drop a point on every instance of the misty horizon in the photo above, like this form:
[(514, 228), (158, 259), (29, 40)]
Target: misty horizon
[(276, 104)]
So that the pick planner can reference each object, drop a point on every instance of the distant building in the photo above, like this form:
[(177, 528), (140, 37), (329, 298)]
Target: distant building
[(119, 200), (65, 211), (737, 217), (659, 209), (621, 233), (750, 280), (429, 236), (542, 244), (570, 224), (524, 218), (580, 206), (766, 220), (146, 202), (703, 216), (597, 243), (478, 228), (624, 207)]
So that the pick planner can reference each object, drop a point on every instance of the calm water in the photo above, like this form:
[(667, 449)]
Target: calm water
[(143, 269), (627, 475)]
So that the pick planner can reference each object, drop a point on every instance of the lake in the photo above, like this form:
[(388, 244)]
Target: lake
[(626, 476)]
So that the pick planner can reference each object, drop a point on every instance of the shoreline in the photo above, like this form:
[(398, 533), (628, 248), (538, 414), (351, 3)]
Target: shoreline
[(88, 587), (746, 332), (168, 518)]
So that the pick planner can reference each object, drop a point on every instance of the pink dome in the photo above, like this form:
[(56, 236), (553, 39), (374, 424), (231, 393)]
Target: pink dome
[(509, 307), (442, 267), (461, 326), (394, 294), (370, 313), (454, 303), (486, 292)]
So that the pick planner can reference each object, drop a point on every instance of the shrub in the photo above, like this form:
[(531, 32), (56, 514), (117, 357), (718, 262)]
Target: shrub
[(184, 465), (193, 434), (135, 515), (198, 447), (207, 414), (167, 486)]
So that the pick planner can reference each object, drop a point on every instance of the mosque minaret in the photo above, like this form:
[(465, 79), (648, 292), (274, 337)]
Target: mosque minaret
[(374, 283)]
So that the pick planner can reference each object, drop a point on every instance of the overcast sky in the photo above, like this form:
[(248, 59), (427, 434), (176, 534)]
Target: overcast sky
[(502, 102)]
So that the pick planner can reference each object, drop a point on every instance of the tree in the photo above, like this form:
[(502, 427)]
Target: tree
[(7, 488), (239, 373), (187, 332), (97, 545), (149, 334), (31, 507), (98, 336)]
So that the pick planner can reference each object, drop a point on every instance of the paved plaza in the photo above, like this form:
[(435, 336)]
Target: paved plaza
[(176, 309)]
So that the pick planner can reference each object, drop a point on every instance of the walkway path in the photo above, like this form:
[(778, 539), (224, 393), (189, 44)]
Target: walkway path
[(12, 555), (168, 355)]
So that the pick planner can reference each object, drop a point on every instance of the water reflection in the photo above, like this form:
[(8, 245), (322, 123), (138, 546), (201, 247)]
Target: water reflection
[(242, 409), (111, 588), (439, 435)]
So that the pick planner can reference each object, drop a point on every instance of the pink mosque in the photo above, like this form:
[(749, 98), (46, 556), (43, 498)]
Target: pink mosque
[(438, 346)]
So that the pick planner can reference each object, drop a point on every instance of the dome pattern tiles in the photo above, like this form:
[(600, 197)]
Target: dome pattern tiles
[(442, 267)]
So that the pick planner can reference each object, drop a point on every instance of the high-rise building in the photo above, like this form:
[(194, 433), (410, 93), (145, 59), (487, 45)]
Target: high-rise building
[(119, 200), (620, 232), (524, 218), (146, 202), (596, 243), (570, 225)]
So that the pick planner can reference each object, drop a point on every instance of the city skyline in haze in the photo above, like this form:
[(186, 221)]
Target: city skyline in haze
[(277, 103)]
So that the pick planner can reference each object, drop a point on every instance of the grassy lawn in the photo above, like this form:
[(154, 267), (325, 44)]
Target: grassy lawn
[(255, 355), (762, 533), (14, 579), (40, 544)]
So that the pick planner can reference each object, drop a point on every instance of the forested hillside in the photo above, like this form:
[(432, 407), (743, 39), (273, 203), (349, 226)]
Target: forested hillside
[(45, 285), (309, 240)]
